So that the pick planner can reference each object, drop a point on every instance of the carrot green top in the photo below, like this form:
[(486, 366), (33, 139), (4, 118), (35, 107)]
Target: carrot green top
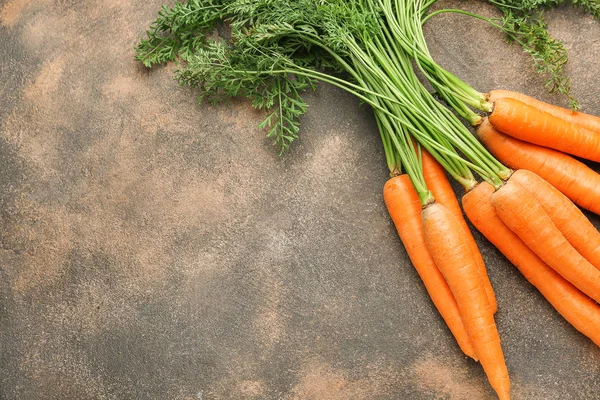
[(277, 49)]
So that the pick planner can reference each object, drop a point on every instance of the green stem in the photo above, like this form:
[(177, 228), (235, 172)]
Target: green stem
[(458, 11)]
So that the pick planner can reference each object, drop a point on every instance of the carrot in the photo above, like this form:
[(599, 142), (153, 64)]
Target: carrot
[(573, 178), (578, 309), (437, 182), (446, 241), (527, 123), (404, 207), (526, 217), (571, 222), (587, 121)]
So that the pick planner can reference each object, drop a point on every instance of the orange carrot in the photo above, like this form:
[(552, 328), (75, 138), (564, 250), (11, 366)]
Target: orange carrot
[(574, 226), (447, 243), (527, 123), (573, 178), (437, 182), (526, 217), (404, 207), (577, 308), (587, 121)]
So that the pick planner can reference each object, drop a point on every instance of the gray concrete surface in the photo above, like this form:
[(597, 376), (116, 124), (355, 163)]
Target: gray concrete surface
[(154, 250)]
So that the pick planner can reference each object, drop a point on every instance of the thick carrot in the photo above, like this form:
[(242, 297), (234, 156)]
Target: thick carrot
[(587, 121), (404, 207), (437, 182), (447, 243), (574, 226), (526, 217), (527, 123), (577, 308), (573, 178)]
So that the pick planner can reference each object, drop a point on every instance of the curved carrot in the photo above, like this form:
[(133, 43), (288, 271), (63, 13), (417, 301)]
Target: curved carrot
[(437, 182), (573, 178), (526, 217), (571, 222), (527, 123), (404, 207), (446, 241), (587, 121), (578, 309)]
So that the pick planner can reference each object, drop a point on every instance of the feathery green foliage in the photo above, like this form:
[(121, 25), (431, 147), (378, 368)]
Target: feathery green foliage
[(274, 50), (526, 7), (272, 54), (524, 24), (179, 31), (589, 6), (549, 55)]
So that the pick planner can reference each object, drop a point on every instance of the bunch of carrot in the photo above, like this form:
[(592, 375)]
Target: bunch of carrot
[(555, 236), (445, 255), (530, 221), (278, 48), (529, 216)]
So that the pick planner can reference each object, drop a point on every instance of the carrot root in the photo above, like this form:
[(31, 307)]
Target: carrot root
[(571, 222), (525, 216), (587, 121), (404, 208), (573, 178), (527, 123), (447, 244), (577, 308), (437, 182)]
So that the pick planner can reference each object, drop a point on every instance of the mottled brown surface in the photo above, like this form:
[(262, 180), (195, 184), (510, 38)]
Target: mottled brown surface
[(154, 250)]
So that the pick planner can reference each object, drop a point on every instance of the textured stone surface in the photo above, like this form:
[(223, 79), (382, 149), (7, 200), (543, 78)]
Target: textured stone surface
[(154, 250)]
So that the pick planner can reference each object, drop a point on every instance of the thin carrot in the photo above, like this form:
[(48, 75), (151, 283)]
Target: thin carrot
[(527, 123), (573, 178), (577, 308), (526, 217), (404, 207), (446, 241), (587, 121), (574, 226), (437, 182)]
